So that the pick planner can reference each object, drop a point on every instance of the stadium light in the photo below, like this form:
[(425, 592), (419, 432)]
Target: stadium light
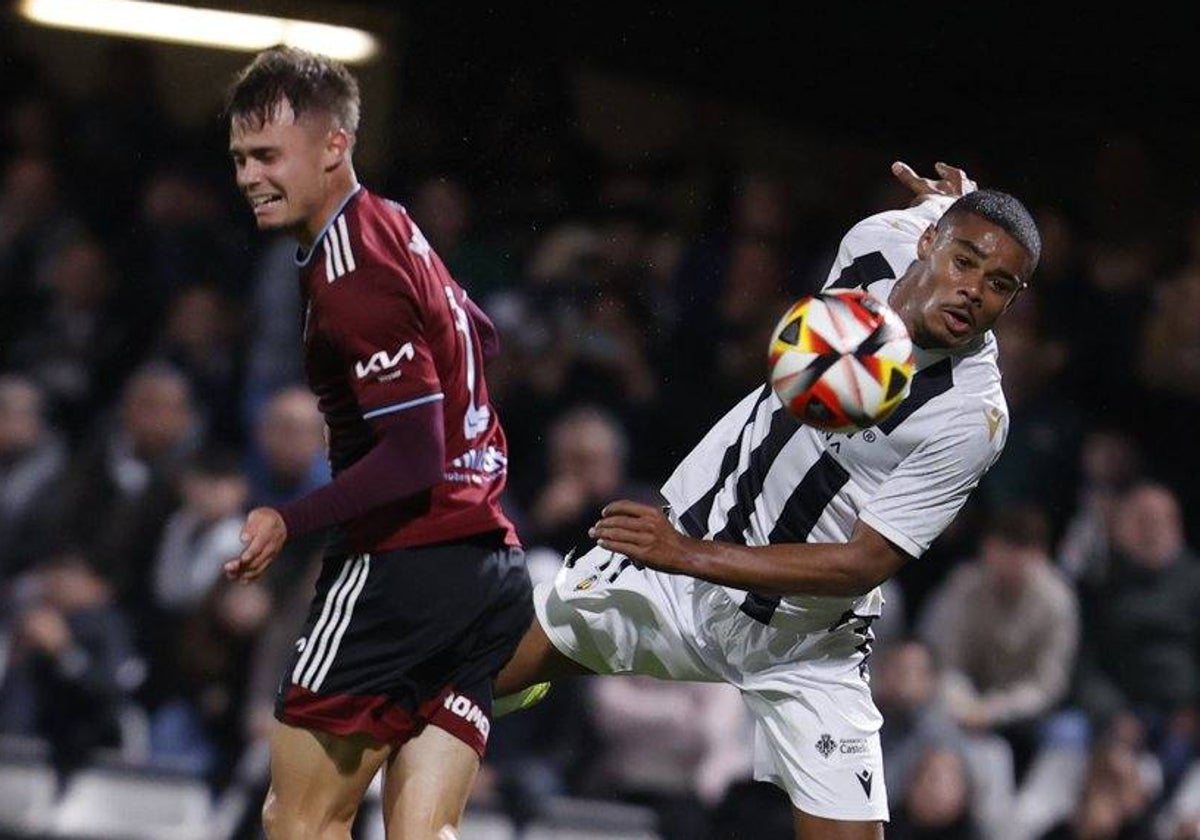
[(201, 27)]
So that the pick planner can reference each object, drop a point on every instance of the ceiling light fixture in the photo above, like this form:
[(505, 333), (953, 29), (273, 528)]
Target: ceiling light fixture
[(201, 27)]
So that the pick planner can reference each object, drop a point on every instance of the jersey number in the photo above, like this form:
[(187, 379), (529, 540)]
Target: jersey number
[(476, 419)]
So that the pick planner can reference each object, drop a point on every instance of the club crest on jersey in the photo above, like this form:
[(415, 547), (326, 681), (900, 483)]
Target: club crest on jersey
[(587, 583), (381, 362)]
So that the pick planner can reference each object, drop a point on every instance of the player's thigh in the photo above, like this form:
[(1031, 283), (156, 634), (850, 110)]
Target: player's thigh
[(535, 660), (809, 827), (613, 617), (818, 740), (426, 785), (317, 781)]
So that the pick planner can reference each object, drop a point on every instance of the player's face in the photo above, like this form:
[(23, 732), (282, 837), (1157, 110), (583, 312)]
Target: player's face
[(973, 270), (281, 168)]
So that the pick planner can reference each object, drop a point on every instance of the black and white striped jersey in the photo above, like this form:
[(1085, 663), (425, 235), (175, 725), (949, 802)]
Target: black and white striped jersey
[(760, 477)]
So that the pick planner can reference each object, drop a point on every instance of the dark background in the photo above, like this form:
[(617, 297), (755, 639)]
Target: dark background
[(1026, 92)]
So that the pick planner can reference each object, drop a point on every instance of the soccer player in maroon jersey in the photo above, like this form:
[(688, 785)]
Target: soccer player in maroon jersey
[(423, 595)]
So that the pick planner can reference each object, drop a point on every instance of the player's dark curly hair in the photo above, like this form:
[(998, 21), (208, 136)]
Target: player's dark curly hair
[(309, 82), (1003, 210)]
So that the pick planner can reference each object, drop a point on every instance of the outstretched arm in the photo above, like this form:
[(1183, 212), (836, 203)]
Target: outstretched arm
[(645, 535)]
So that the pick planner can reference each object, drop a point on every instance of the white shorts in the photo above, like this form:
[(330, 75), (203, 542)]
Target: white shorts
[(816, 726)]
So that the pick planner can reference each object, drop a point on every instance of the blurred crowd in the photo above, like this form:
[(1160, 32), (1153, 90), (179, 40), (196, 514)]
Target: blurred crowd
[(1038, 670)]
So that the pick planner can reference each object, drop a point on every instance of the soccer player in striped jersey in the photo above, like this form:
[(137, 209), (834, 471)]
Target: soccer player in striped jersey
[(763, 570), (423, 594)]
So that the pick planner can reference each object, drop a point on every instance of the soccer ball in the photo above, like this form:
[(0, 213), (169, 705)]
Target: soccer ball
[(841, 360)]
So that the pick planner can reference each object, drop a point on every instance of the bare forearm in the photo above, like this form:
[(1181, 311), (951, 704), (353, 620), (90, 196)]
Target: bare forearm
[(786, 569), (644, 534)]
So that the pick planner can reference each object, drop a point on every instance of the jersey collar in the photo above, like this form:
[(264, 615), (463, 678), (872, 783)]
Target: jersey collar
[(303, 258)]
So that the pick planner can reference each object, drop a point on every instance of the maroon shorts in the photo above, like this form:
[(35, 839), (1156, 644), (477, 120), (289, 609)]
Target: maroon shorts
[(403, 639)]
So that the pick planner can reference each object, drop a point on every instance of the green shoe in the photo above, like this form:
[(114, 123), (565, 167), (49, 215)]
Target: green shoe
[(521, 700)]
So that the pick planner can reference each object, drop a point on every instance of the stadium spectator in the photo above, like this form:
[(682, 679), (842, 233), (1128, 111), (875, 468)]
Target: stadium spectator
[(1005, 630), (287, 452), (121, 486), (33, 458), (446, 210), (904, 684), (286, 460), (1142, 629), (201, 338), (938, 800), (197, 694), (675, 747), (1169, 367), (73, 666), (588, 456), (184, 238), (1116, 797), (1169, 356), (1110, 461), (203, 533), (726, 338), (1042, 453), (76, 346), (271, 362), (34, 226)]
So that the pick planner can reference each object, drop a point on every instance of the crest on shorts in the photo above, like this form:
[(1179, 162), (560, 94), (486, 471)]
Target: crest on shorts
[(586, 584), (826, 745)]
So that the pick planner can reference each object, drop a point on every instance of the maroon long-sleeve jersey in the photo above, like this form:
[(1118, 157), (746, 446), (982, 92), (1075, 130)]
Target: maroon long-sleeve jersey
[(387, 329)]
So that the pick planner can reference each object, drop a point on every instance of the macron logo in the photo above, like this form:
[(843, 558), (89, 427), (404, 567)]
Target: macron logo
[(381, 361)]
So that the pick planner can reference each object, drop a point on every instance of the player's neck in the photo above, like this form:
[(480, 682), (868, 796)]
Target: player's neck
[(342, 183), (900, 300)]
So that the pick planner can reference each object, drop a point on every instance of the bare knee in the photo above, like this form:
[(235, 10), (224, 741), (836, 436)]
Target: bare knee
[(281, 823), (273, 820)]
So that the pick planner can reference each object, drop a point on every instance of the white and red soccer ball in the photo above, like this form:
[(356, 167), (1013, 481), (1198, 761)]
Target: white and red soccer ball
[(841, 360)]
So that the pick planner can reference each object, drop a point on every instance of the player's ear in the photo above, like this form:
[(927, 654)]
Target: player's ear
[(337, 147), (925, 243)]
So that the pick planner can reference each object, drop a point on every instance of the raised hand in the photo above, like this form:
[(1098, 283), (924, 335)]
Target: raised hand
[(951, 180)]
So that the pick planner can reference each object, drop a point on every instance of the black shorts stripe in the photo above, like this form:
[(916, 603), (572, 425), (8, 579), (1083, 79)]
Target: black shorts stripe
[(695, 519), (927, 383), (800, 513)]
